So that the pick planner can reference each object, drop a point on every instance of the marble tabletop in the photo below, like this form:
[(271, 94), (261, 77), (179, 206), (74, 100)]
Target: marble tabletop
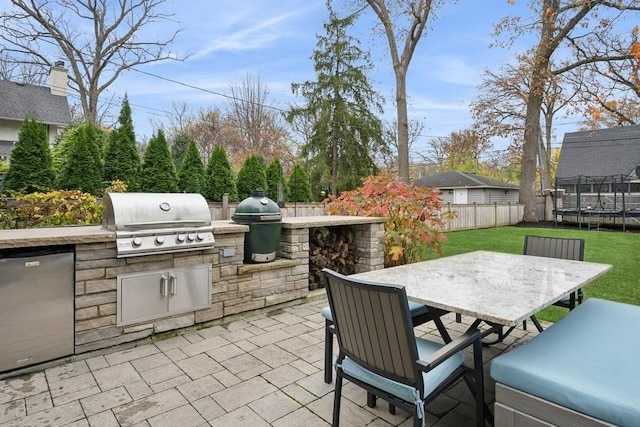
[(495, 287)]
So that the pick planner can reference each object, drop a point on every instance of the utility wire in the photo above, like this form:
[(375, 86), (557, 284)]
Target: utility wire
[(224, 95)]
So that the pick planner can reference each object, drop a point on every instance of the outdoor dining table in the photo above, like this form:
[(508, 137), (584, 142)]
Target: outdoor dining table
[(500, 289)]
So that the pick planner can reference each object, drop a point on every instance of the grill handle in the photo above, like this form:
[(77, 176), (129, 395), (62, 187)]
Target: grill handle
[(163, 285), (173, 284), (165, 224)]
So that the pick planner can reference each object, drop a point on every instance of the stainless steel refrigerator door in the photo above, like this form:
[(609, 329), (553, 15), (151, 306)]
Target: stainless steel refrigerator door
[(36, 309)]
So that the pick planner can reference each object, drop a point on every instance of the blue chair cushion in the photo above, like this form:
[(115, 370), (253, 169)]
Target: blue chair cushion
[(588, 362), (415, 308), (431, 379)]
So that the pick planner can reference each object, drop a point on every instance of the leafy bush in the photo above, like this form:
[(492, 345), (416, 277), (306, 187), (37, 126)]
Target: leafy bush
[(299, 186), (82, 168), (219, 177), (116, 186), (274, 178), (415, 218), (251, 177), (158, 171), (30, 167), (51, 209), (191, 174)]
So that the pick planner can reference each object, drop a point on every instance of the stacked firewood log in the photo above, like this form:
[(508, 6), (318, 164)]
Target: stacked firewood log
[(330, 247)]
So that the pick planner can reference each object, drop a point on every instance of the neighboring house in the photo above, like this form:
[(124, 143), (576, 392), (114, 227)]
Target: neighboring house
[(465, 188), (47, 105), (600, 161)]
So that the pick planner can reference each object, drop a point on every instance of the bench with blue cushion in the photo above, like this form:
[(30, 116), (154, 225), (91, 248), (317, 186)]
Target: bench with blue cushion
[(584, 370)]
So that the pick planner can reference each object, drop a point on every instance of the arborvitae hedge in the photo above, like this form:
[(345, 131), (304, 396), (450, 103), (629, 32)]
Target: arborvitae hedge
[(275, 177), (158, 171), (82, 168), (251, 177), (31, 166), (121, 160), (191, 174), (219, 177), (63, 144), (299, 187), (179, 147)]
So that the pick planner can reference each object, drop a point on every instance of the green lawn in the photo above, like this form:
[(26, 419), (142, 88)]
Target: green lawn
[(620, 249)]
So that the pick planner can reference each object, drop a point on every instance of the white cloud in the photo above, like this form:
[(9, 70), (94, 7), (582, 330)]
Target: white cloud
[(451, 69)]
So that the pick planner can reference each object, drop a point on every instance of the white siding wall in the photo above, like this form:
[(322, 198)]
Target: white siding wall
[(9, 130)]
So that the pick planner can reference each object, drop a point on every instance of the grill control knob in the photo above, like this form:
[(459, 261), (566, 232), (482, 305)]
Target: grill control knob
[(136, 241), (191, 237), (199, 237), (159, 240), (181, 237)]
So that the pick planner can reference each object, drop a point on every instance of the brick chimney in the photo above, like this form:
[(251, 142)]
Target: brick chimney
[(58, 79)]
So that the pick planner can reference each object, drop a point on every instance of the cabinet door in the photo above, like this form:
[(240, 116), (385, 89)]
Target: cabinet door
[(142, 296), (189, 288)]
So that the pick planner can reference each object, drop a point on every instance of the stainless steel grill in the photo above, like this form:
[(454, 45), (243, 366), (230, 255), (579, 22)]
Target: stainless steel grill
[(156, 223)]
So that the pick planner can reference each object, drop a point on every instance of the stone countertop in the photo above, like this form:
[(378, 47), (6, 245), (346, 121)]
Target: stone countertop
[(45, 236), (73, 235), (496, 287), (328, 221)]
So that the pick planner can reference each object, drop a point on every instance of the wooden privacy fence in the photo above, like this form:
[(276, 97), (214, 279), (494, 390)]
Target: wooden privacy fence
[(484, 216), (467, 216)]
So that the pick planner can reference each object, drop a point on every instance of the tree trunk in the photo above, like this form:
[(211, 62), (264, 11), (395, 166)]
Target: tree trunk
[(403, 123), (529, 160)]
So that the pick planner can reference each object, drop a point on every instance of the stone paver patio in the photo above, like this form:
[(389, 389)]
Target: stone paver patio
[(263, 370)]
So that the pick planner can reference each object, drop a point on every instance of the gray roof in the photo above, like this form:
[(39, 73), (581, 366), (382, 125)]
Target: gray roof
[(457, 179), (603, 152), (19, 101)]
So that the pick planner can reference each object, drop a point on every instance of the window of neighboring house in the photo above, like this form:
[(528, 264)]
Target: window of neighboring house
[(634, 187), (568, 188), (621, 187), (584, 188)]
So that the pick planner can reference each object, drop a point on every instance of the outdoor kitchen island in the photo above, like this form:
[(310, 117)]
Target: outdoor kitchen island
[(236, 288)]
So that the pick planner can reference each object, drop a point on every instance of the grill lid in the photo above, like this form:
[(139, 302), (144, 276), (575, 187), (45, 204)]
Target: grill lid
[(147, 223), (257, 208)]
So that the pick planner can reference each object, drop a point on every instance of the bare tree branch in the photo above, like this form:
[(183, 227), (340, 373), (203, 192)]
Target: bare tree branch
[(98, 39)]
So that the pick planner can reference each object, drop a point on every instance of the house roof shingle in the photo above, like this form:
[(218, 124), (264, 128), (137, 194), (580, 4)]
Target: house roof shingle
[(603, 152), (19, 101), (457, 179)]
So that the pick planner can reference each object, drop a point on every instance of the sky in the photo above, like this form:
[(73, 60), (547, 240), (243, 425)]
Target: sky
[(224, 41)]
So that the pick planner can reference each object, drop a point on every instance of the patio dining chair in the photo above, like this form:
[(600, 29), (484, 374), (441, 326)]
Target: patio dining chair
[(556, 247), (419, 315), (379, 352)]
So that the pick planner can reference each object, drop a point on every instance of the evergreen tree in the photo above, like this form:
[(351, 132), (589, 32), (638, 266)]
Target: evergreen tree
[(219, 177), (63, 144), (251, 177), (82, 168), (179, 147), (275, 178), (158, 171), (299, 187), (340, 103), (31, 165), (191, 174), (121, 160)]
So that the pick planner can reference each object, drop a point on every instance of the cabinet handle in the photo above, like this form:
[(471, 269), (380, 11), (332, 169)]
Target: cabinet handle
[(173, 284), (163, 285)]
